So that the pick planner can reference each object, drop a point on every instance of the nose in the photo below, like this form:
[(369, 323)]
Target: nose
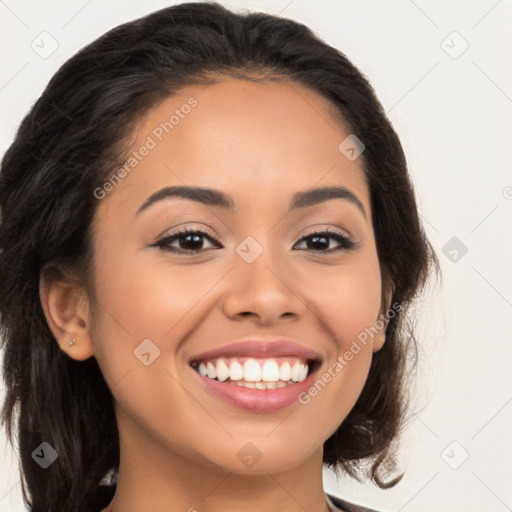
[(262, 290)]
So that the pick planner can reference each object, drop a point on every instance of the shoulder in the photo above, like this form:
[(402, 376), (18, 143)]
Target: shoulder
[(346, 506)]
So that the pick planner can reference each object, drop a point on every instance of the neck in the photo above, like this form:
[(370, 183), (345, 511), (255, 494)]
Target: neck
[(153, 479)]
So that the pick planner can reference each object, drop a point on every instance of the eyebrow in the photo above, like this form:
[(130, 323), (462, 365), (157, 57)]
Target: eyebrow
[(216, 198)]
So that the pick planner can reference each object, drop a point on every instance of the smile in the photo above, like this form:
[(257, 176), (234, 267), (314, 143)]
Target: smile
[(265, 373)]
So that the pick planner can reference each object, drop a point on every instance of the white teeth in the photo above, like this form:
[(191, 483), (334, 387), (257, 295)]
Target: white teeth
[(202, 370), (296, 368), (252, 370), (212, 373), (285, 372), (236, 372), (222, 370), (270, 371), (303, 373), (262, 385)]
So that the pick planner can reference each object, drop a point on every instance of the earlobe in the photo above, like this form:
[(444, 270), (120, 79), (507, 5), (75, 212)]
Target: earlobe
[(66, 308), (379, 339), (381, 324)]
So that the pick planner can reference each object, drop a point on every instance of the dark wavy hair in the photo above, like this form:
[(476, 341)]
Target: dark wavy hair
[(74, 137)]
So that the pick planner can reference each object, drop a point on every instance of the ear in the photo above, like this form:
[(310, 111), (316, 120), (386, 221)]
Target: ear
[(66, 308), (381, 322)]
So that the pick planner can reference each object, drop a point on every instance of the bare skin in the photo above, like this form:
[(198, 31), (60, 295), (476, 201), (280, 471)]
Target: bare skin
[(260, 143)]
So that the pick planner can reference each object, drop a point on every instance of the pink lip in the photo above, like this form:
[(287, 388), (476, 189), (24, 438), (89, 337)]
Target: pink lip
[(253, 399), (262, 348)]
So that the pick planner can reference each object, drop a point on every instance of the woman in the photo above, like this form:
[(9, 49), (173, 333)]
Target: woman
[(209, 245)]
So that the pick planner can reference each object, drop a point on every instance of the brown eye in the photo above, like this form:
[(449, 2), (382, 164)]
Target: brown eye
[(318, 240), (190, 241)]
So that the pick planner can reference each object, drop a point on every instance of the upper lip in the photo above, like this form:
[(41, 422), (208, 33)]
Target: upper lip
[(259, 348)]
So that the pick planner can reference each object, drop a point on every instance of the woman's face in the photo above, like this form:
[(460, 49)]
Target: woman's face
[(158, 306)]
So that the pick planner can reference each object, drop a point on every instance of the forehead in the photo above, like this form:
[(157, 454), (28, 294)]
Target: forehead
[(250, 139)]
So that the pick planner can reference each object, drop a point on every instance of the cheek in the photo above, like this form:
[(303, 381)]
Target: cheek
[(347, 304), (348, 300), (147, 301), (141, 301)]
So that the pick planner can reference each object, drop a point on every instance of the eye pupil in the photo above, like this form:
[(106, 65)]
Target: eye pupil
[(197, 240), (315, 238)]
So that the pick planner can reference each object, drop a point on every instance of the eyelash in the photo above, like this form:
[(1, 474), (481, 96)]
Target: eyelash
[(164, 244)]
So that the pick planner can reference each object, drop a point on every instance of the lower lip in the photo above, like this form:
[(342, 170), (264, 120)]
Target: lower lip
[(252, 399)]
